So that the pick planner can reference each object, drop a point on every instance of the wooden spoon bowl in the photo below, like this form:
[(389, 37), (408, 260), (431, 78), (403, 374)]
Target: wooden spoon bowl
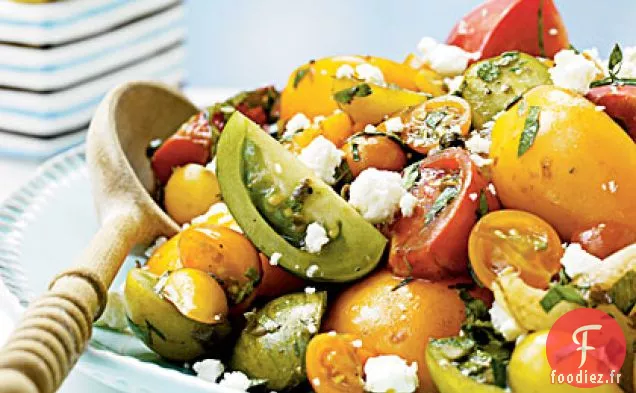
[(56, 327)]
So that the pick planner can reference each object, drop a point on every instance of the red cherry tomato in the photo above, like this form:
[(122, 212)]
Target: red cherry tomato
[(276, 281), (433, 242), (189, 145), (498, 26), (604, 239), (619, 103)]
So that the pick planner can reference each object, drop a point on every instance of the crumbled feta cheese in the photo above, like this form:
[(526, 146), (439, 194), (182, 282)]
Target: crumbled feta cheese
[(155, 246), (610, 186), (209, 369), (628, 66), (356, 343), (394, 125), (390, 373), (480, 161), (312, 270), (310, 290), (236, 380), (491, 188), (478, 144), (298, 122), (370, 128), (315, 238), (317, 121), (211, 166), (369, 73), (473, 196), (454, 84), (345, 71), (576, 260), (505, 323), (447, 60), (407, 204), (275, 258), (376, 194), (553, 31), (114, 315), (600, 108), (315, 382), (221, 215), (573, 71), (322, 157)]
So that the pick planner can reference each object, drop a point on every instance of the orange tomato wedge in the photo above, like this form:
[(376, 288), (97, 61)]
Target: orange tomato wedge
[(335, 363), (518, 239)]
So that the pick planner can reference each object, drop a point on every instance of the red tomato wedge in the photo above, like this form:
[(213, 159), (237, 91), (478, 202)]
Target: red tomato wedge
[(531, 26), (619, 103), (191, 144), (433, 242)]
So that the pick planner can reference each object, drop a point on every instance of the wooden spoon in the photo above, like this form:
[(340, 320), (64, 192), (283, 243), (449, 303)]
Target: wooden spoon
[(56, 327)]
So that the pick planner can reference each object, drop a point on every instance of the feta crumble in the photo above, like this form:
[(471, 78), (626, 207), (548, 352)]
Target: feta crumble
[(297, 123), (310, 290), (275, 258), (376, 194), (407, 204), (370, 73), (447, 60), (553, 31), (454, 84), (576, 260), (322, 157), (312, 270), (220, 212), (315, 238), (478, 144), (370, 128), (209, 369), (504, 322), (394, 125), (573, 71), (390, 373), (481, 161), (236, 380), (345, 71)]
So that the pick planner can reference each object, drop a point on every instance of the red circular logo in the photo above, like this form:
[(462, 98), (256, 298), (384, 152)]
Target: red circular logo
[(586, 348)]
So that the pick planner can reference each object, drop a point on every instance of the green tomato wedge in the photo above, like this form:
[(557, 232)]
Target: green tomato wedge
[(273, 345), (274, 197), (447, 377)]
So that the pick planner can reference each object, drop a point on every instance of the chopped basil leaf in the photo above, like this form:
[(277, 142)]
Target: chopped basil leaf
[(615, 82), (300, 75), (434, 118), (347, 95), (355, 151), (561, 293), (441, 202), (488, 72), (499, 372), (402, 283), (530, 130), (507, 58), (623, 292), (252, 274), (411, 175), (540, 30), (483, 205), (615, 61)]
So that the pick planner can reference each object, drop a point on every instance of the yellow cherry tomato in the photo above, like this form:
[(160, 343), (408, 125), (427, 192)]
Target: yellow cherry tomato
[(165, 258), (196, 295), (530, 372), (190, 192), (373, 151), (337, 127), (515, 238), (225, 254)]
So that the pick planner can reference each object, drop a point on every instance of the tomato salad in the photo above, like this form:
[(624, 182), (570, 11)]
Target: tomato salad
[(416, 226)]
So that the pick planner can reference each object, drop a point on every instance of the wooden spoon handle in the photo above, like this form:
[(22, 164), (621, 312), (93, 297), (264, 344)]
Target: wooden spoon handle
[(55, 328)]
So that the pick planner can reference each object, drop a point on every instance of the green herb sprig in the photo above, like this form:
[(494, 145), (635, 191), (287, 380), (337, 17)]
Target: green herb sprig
[(615, 63), (440, 203), (530, 130), (347, 95)]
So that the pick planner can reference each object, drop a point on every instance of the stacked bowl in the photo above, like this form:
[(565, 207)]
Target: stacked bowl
[(57, 60)]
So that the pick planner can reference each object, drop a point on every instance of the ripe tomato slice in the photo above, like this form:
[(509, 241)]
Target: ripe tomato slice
[(191, 144), (518, 239), (433, 242), (604, 239), (499, 26), (335, 363)]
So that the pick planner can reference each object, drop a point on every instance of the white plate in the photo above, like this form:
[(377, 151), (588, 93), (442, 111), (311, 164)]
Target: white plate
[(43, 227)]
